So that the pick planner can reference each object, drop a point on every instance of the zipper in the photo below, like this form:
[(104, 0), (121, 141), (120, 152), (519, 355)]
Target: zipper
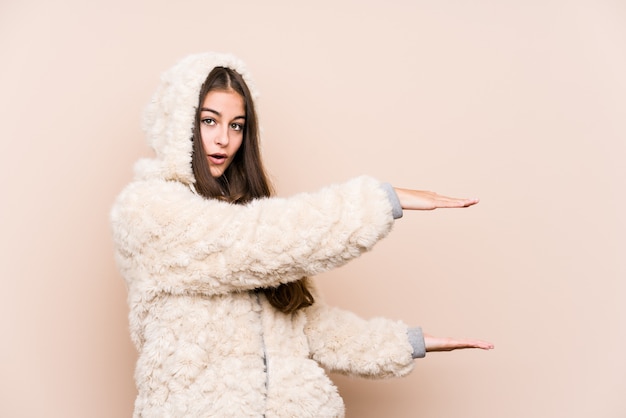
[(258, 301)]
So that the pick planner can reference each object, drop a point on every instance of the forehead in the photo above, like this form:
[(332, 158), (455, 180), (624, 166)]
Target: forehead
[(222, 100)]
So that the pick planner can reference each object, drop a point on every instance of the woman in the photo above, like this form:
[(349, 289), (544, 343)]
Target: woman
[(225, 319)]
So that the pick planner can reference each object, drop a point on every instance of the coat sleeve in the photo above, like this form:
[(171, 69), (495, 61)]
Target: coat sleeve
[(169, 239), (343, 342)]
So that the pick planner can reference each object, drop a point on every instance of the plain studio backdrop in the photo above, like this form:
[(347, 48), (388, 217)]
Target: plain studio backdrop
[(520, 103)]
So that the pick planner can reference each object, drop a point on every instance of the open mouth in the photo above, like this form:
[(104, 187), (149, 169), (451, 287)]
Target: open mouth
[(217, 158)]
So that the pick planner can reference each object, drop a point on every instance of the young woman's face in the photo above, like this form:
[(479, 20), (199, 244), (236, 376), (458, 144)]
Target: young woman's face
[(222, 120)]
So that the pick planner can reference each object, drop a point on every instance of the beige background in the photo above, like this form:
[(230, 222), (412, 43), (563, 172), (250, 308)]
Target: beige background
[(522, 103)]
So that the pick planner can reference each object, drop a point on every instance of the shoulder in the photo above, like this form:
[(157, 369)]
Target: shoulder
[(154, 190)]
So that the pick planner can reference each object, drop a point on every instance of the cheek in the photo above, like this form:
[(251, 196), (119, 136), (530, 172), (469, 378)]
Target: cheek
[(236, 143), (204, 135)]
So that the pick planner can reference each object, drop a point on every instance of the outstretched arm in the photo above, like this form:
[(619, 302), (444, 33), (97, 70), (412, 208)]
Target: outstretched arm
[(170, 239)]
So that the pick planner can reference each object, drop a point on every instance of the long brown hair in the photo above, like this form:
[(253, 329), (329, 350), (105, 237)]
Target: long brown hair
[(244, 179)]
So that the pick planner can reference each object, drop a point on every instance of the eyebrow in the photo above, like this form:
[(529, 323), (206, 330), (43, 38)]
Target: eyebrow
[(206, 109)]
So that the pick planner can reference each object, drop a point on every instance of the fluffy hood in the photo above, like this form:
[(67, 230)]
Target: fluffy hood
[(169, 117)]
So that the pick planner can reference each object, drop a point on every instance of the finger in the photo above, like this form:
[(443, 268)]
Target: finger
[(475, 344), (483, 346), (449, 202), (450, 199)]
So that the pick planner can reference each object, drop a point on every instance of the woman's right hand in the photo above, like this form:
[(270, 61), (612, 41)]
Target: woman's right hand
[(424, 200)]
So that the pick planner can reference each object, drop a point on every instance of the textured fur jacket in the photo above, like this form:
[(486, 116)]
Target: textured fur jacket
[(209, 345)]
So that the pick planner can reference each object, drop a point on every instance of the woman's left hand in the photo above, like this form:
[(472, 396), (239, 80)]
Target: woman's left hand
[(449, 344), (425, 200)]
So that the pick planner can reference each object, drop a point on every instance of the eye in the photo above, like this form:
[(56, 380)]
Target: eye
[(236, 126), (208, 121)]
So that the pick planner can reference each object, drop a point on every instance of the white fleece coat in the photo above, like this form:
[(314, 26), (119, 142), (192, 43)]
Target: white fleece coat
[(209, 344)]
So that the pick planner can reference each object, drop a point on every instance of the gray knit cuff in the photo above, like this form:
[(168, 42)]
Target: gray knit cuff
[(416, 338), (393, 199)]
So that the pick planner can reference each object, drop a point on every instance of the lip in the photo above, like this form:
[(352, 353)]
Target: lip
[(217, 159)]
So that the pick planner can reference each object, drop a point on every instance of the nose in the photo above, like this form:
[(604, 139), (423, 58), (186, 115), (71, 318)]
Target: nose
[(221, 137)]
